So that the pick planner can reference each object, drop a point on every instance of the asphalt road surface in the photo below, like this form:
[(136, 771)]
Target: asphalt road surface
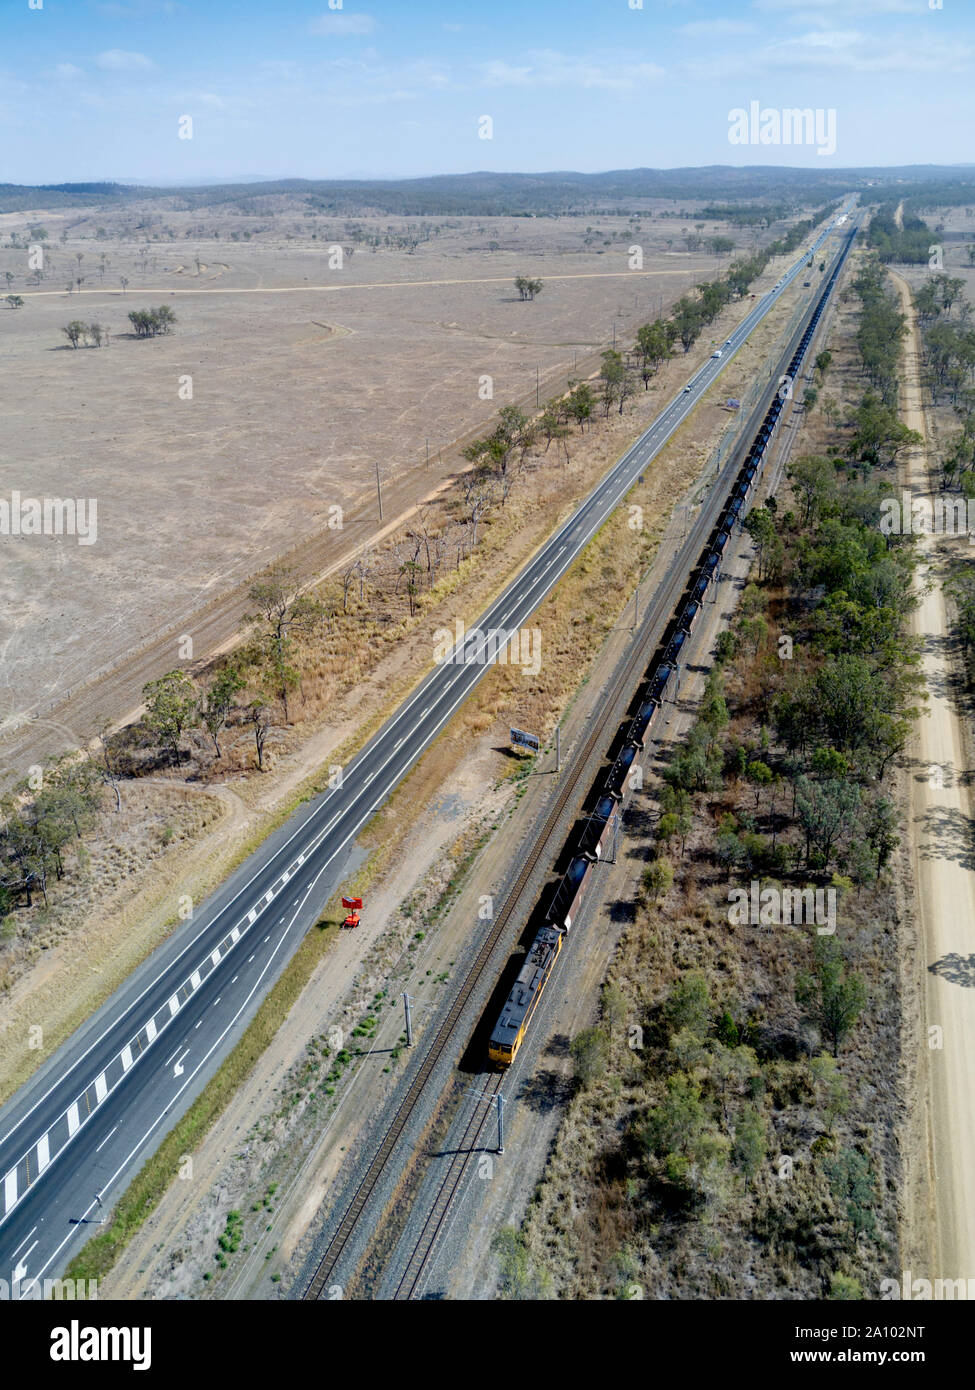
[(78, 1131)]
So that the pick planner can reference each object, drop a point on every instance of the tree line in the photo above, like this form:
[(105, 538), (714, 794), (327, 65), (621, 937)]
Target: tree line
[(834, 714), (694, 312), (255, 685), (498, 456), (786, 765), (266, 666), (948, 339), (909, 244)]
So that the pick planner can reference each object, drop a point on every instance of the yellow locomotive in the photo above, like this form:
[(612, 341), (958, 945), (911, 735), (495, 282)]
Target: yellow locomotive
[(523, 999)]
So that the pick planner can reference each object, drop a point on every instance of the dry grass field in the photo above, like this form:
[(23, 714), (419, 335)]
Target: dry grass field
[(303, 378), (326, 712), (349, 683)]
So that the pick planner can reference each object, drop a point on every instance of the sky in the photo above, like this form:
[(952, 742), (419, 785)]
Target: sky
[(100, 89)]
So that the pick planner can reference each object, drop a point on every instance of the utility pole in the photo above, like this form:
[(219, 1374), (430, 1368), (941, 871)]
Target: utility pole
[(636, 608), (614, 335), (499, 1104), (379, 489), (407, 1001), (428, 453), (558, 749)]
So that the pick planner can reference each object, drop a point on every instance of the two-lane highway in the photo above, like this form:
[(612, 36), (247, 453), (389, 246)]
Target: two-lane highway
[(74, 1135)]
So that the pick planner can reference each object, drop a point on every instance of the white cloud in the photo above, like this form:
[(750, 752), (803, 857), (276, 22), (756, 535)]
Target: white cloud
[(813, 9), (837, 52), (498, 73), (120, 60), (551, 69), (850, 51), (137, 9), (343, 25), (67, 71), (428, 74), (717, 28), (349, 80), (834, 39), (280, 68)]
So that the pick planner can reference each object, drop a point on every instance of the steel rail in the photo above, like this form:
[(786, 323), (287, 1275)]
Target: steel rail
[(659, 609)]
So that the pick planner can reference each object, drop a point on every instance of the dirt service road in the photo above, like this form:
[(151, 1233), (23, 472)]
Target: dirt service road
[(944, 875), (173, 290)]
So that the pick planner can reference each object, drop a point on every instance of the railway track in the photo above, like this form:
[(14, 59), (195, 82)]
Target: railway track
[(657, 614), (468, 1145), (567, 788), (444, 1035)]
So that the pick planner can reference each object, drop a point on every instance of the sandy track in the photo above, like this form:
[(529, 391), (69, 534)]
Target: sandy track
[(356, 285), (944, 875)]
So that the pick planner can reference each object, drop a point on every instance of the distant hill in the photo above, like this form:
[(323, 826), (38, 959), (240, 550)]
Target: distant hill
[(512, 194)]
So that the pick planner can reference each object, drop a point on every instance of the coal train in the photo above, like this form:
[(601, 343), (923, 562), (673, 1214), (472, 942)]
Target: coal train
[(626, 771)]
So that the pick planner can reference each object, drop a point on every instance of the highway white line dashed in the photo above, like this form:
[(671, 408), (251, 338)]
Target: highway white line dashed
[(106, 1139), (158, 1120), (25, 1255), (24, 1242), (623, 469), (209, 926)]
